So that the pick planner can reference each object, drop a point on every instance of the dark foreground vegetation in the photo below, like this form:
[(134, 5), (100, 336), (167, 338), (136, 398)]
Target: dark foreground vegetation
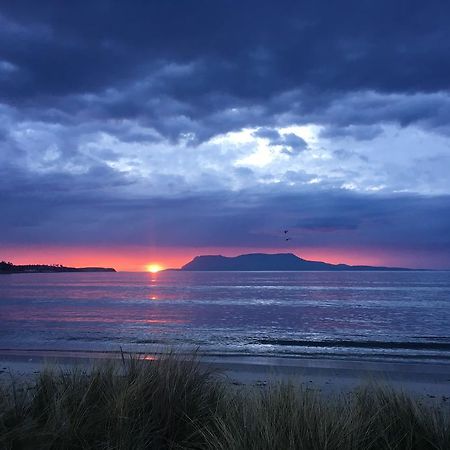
[(178, 404)]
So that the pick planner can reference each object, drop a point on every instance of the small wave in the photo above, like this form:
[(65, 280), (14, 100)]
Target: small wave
[(358, 344)]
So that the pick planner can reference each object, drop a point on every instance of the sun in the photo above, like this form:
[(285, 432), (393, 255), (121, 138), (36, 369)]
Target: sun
[(154, 268)]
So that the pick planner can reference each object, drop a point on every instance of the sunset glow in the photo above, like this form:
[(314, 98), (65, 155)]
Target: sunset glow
[(136, 258), (154, 268)]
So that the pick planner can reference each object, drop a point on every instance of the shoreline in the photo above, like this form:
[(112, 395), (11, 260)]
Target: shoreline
[(220, 404), (271, 359), (428, 382)]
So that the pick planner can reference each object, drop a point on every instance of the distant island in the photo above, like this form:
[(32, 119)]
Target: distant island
[(7, 267), (269, 262)]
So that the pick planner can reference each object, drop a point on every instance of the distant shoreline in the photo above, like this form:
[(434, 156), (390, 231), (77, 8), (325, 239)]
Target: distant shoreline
[(276, 262), (7, 268), (300, 271)]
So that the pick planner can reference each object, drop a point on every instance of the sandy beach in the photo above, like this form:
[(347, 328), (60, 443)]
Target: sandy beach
[(427, 381)]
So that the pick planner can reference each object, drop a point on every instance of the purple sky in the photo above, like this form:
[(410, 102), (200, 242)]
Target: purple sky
[(215, 124)]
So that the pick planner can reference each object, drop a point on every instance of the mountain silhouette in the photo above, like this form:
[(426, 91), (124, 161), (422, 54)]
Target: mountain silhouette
[(269, 262)]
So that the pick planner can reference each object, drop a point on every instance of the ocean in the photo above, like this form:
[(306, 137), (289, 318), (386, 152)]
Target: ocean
[(351, 315)]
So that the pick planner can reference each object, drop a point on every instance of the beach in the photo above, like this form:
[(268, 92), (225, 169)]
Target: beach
[(428, 382)]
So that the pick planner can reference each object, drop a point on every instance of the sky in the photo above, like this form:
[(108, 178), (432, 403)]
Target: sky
[(153, 131)]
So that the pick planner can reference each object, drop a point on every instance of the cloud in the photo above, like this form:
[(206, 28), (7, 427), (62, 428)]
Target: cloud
[(211, 122), (267, 133), (195, 77), (290, 143), (93, 208), (357, 132)]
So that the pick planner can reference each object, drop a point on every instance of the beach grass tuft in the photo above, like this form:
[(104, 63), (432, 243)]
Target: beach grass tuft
[(174, 402)]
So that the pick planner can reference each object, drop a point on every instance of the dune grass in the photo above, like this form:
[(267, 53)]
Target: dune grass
[(175, 403)]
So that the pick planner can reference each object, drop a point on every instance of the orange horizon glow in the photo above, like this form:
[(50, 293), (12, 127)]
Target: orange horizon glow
[(136, 258), (154, 268)]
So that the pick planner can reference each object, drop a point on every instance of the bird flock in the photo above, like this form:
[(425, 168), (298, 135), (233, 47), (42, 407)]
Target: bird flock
[(286, 235)]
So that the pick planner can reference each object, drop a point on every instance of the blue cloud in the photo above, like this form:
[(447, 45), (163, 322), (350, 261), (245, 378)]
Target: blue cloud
[(83, 84)]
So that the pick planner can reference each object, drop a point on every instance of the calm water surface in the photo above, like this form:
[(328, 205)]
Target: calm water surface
[(346, 314)]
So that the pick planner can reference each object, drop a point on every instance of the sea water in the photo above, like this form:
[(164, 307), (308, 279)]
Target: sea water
[(371, 315)]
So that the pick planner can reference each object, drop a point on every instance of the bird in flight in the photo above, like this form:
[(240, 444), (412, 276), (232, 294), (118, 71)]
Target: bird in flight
[(286, 237)]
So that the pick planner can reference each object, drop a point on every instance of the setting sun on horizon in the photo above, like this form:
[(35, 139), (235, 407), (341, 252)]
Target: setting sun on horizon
[(136, 258), (154, 268)]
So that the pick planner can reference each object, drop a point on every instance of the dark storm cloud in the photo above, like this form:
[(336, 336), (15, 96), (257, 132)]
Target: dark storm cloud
[(291, 143), (53, 210), (360, 133), (268, 133), (182, 67)]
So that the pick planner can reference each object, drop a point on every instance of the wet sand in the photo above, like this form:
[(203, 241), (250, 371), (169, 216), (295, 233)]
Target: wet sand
[(427, 381)]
